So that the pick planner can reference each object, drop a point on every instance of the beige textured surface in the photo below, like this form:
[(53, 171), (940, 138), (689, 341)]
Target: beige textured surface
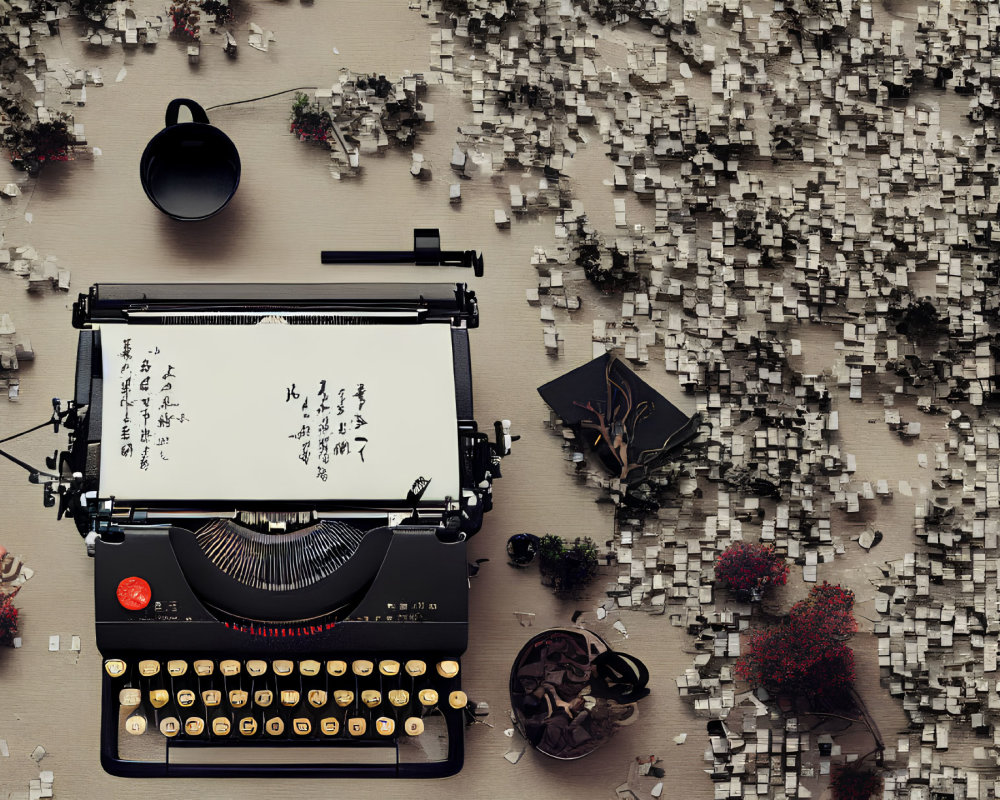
[(94, 217)]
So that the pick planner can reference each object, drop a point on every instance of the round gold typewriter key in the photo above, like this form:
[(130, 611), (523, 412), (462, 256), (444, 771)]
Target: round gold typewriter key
[(158, 698), (399, 697), (204, 667), (194, 726), (343, 697), (176, 667), (148, 668), (415, 668), (371, 698), (129, 697), (329, 725), (283, 667), (248, 726), (263, 697), (385, 726), (413, 726), (301, 726), (362, 667), (275, 726), (136, 723), (256, 667), (221, 726), (447, 669), (310, 668), (356, 726), (237, 698), (289, 697), (335, 668), (317, 698), (185, 698), (170, 726), (229, 667), (211, 697), (458, 700), (428, 697), (115, 667), (388, 668)]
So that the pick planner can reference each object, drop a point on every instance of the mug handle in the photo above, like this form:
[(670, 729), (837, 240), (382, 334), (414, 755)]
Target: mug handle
[(197, 112)]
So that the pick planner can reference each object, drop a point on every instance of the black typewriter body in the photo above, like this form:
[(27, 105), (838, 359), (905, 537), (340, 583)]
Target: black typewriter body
[(268, 636)]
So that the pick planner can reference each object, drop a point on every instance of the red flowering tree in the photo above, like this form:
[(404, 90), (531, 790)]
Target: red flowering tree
[(806, 656), (8, 620), (748, 568)]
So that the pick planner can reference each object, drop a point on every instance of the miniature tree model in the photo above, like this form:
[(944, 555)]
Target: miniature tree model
[(32, 144), (567, 568), (748, 568), (806, 656), (850, 782), (310, 122)]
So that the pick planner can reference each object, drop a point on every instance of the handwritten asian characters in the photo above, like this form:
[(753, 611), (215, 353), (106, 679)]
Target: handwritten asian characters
[(149, 399), (332, 423)]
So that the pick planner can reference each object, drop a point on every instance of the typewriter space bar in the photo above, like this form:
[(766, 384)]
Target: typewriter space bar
[(266, 755)]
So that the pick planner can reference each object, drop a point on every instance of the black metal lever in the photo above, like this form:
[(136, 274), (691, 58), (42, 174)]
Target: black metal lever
[(426, 252)]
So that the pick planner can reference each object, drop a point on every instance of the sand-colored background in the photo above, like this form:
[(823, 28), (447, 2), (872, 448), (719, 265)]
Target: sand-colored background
[(93, 216)]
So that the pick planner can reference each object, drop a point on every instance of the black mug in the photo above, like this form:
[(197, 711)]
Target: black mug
[(189, 170)]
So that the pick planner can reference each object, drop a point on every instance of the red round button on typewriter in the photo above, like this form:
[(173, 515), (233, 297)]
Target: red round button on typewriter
[(134, 593)]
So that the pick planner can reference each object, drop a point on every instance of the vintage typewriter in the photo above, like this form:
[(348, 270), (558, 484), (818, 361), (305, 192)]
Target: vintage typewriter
[(276, 482)]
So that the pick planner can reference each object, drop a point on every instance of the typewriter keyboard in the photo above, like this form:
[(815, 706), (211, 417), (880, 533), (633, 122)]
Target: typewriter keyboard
[(259, 711)]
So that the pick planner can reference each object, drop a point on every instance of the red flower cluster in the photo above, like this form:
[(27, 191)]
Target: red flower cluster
[(308, 133), (748, 567), (807, 655), (310, 122), (184, 19), (8, 620)]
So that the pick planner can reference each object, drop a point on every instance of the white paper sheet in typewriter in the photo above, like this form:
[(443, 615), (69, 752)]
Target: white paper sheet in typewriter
[(277, 412)]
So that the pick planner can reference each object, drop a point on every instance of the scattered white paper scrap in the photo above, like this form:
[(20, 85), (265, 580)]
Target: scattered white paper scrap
[(28, 217), (602, 612), (38, 753), (680, 738), (685, 70), (620, 627), (97, 151), (121, 75), (509, 733), (17, 641), (526, 618), (336, 52), (74, 644), (3, 749), (657, 790), (54, 643), (515, 755)]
